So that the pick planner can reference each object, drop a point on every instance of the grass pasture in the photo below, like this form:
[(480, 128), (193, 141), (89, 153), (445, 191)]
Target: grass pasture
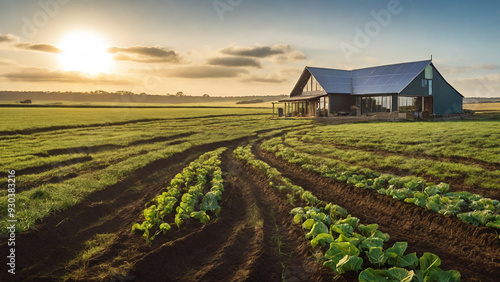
[(84, 176)]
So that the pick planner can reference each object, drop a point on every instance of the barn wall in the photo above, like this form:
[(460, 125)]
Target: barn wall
[(415, 87), (446, 99), (341, 102)]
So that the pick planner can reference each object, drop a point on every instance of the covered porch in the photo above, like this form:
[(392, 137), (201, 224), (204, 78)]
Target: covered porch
[(302, 106)]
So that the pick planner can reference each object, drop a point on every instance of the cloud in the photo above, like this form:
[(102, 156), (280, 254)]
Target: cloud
[(8, 38), (39, 47), (145, 54), (279, 53), (257, 51), (13, 42), (35, 74), (481, 86), (205, 72), (234, 62), (272, 78), (292, 56)]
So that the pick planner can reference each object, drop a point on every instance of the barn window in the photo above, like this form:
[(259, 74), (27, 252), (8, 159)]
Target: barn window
[(428, 72), (407, 104), (378, 104), (312, 85)]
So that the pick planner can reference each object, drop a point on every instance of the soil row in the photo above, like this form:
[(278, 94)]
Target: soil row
[(456, 184), (474, 251)]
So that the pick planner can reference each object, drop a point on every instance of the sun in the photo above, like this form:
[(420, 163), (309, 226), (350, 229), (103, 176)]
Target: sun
[(86, 52)]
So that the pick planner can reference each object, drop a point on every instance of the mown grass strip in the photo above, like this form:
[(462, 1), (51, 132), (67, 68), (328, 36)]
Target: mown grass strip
[(472, 175), (478, 140)]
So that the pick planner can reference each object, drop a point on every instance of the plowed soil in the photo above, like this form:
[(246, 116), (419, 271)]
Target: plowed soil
[(473, 251), (253, 239)]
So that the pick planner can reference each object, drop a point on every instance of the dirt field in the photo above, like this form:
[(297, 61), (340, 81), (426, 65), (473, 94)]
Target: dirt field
[(253, 238)]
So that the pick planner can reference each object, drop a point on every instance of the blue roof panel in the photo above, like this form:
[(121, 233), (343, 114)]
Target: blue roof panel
[(332, 80), (385, 79), (374, 80)]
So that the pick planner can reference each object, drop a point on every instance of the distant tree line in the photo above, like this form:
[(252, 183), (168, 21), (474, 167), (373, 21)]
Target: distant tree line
[(251, 101), (124, 96)]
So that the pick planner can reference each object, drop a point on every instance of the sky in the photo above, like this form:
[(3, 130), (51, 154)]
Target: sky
[(239, 47)]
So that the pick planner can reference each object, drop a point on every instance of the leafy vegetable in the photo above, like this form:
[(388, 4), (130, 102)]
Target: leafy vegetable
[(323, 238), (318, 228), (376, 256)]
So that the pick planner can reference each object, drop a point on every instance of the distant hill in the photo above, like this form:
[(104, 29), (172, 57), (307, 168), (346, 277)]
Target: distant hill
[(125, 97)]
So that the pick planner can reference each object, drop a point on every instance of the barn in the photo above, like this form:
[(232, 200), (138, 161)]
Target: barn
[(398, 90)]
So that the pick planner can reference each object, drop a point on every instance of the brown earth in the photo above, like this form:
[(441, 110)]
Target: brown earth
[(473, 251), (253, 238)]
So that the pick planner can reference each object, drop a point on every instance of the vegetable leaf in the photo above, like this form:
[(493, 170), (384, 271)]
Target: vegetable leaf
[(318, 228), (323, 239), (376, 256), (349, 263)]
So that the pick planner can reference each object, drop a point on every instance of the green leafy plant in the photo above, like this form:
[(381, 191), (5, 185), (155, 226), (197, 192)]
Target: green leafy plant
[(184, 194)]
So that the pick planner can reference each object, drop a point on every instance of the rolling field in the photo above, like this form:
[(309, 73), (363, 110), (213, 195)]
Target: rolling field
[(217, 194)]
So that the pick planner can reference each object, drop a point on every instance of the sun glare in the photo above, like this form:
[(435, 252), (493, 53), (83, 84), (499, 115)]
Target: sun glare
[(85, 52)]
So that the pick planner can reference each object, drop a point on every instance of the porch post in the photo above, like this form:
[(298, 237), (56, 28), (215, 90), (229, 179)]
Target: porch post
[(324, 106)]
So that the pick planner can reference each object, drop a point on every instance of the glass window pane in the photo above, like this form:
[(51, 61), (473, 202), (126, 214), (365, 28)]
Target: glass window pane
[(428, 72)]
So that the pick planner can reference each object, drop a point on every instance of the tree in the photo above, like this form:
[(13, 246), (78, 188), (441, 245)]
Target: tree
[(179, 94), (205, 95)]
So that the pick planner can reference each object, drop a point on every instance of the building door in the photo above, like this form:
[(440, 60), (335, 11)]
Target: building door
[(429, 105)]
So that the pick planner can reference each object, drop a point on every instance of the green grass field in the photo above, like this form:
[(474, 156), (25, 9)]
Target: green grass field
[(463, 152), (29, 118), (58, 168), (95, 171)]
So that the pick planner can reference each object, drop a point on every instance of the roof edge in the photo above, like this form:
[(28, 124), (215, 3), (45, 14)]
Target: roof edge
[(307, 67), (430, 63)]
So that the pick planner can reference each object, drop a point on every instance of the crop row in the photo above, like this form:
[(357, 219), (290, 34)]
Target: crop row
[(276, 180), (187, 195), (472, 208), (456, 139), (346, 244), (467, 173)]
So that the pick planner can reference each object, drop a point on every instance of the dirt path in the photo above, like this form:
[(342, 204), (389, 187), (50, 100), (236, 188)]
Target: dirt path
[(474, 251)]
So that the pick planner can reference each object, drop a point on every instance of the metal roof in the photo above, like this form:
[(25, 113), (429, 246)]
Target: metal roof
[(332, 80), (374, 80)]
